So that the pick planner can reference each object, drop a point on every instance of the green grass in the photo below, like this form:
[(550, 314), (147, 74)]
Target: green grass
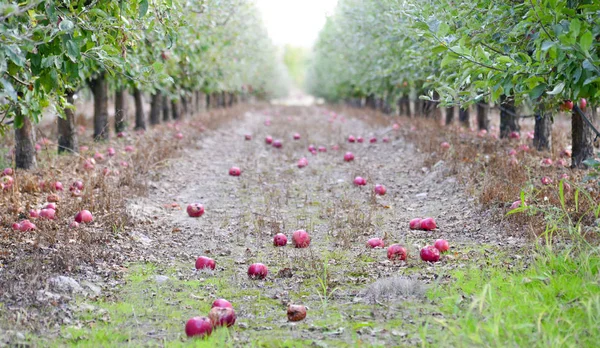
[(555, 302)]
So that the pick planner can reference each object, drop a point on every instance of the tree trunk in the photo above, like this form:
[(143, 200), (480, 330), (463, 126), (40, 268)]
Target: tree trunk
[(582, 137), (25, 144), (509, 120), (449, 115), (174, 109), (370, 101), (208, 105), (155, 108), (184, 106), (165, 108), (140, 118), (406, 101), (542, 136), (464, 117), (120, 110), (67, 135), (99, 87), (483, 121)]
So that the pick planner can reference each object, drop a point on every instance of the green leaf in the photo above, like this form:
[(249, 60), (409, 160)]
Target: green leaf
[(439, 49), (66, 25), (585, 42), (557, 89), (574, 27), (448, 59), (72, 50), (443, 29), (591, 79), (547, 44), (537, 91), (143, 8)]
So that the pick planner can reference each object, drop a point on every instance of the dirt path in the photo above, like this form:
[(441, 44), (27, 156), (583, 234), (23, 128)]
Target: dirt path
[(353, 294)]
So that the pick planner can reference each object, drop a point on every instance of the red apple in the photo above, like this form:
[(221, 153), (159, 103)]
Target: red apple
[(385, 139), (512, 152), (335, 147), (124, 164), (205, 262), (296, 312), (524, 148), (50, 206), (311, 148), (248, 137), (547, 162), (47, 214), (351, 139), (582, 103), (198, 327), (34, 213), (530, 135), (73, 224), (567, 105), (195, 210), (396, 252), (375, 243), (58, 186), (178, 136), (300, 239), (84, 216), (221, 303), (564, 176), (445, 145), (373, 140), (269, 140), (222, 316), (8, 181), (26, 225), (121, 134), (428, 224), (235, 171), (89, 164), (565, 153), (277, 144), (360, 181), (395, 126), (303, 162), (546, 181), (430, 254), (257, 271), (296, 136), (7, 171), (16, 226), (280, 240), (349, 156), (360, 139), (322, 149), (442, 245), (77, 185), (380, 189), (129, 148), (514, 135), (415, 224), (98, 157)]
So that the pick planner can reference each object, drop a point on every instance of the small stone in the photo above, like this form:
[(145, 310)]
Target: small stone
[(160, 279), (63, 284)]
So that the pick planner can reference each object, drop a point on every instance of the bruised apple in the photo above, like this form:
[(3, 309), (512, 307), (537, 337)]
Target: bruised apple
[(380, 189), (375, 243), (428, 224), (280, 240), (396, 252), (296, 312), (257, 271), (430, 254), (221, 303), (415, 224), (301, 239), (442, 245), (195, 210), (222, 316)]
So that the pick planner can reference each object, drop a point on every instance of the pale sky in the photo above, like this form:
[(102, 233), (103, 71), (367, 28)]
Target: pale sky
[(295, 22)]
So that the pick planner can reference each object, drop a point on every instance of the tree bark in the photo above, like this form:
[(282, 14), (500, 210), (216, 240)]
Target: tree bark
[(406, 101), (483, 120), (25, 144), (67, 134), (155, 108), (99, 87), (370, 101), (120, 110), (582, 137), (449, 115), (165, 108), (208, 104), (174, 109), (509, 120), (542, 136), (140, 118), (464, 117)]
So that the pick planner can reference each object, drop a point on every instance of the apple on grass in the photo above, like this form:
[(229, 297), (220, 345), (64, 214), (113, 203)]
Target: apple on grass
[(198, 327), (396, 252), (441, 245), (257, 271), (280, 240), (375, 243), (221, 303), (84, 216), (296, 312), (430, 254), (204, 262), (300, 239), (222, 316)]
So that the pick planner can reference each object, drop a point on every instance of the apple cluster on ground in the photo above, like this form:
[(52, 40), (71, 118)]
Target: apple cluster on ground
[(223, 315)]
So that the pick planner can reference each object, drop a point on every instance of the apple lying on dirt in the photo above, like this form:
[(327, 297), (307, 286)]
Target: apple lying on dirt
[(514, 135), (546, 181), (524, 148), (84, 216), (178, 136), (7, 181), (360, 181), (547, 162), (428, 224), (375, 243), (280, 240), (441, 245), (58, 186), (311, 148), (296, 136), (565, 153), (351, 139), (277, 144), (50, 206), (47, 214), (445, 145), (269, 140), (204, 262), (7, 171), (385, 139), (98, 157), (25, 226), (129, 148), (517, 204), (73, 224), (195, 210), (415, 224), (296, 312), (322, 149), (430, 254), (222, 316), (34, 213), (512, 152), (396, 252), (89, 164), (360, 139), (198, 327), (77, 185), (395, 126), (561, 162), (373, 140), (303, 162), (379, 189), (235, 171), (348, 157), (335, 147), (257, 271), (248, 136), (300, 239), (221, 303)]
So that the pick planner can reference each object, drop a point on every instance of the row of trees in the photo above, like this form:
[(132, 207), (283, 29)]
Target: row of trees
[(535, 53), (176, 52)]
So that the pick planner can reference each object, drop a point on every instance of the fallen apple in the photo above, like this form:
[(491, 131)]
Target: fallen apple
[(546, 181), (58, 186), (195, 210), (396, 252), (53, 198), (269, 140), (198, 327), (445, 145), (428, 224), (300, 239), (415, 224), (360, 181), (222, 316), (26, 225), (248, 137), (296, 136), (277, 144), (360, 139), (375, 243), (204, 262), (351, 139), (322, 149), (380, 189), (348, 157), (34, 213), (373, 140), (303, 162), (7, 171), (235, 171), (221, 303), (442, 245), (47, 214), (280, 240), (430, 254), (84, 216), (296, 312), (257, 271)]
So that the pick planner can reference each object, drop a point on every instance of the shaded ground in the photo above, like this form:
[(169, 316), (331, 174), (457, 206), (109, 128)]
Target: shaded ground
[(353, 294)]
